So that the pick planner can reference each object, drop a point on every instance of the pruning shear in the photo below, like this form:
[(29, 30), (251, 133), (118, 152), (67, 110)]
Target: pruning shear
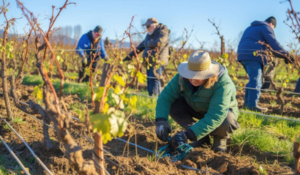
[(179, 153)]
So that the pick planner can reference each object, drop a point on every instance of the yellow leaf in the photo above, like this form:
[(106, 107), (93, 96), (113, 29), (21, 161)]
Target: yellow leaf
[(38, 93), (284, 85), (185, 56), (119, 79), (225, 56), (141, 77), (132, 102), (117, 89), (105, 109), (73, 77)]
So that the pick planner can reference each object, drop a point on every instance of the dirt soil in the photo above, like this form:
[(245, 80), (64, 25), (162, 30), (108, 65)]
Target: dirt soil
[(269, 100), (128, 159)]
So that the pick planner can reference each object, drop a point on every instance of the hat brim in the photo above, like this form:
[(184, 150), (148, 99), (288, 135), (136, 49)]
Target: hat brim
[(149, 23), (185, 72)]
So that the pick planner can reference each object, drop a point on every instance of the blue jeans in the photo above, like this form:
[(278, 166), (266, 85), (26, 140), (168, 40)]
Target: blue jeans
[(254, 71), (153, 84), (297, 89)]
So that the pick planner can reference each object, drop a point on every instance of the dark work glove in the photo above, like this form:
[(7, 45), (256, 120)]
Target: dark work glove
[(162, 129), (177, 140), (84, 61), (127, 58), (292, 60), (190, 135)]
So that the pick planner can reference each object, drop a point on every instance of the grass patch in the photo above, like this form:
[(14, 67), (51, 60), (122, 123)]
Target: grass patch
[(3, 170), (18, 120), (264, 141)]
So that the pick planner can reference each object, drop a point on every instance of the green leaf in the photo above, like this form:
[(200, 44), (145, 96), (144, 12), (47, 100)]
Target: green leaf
[(88, 71), (297, 138), (110, 124), (11, 56), (80, 114), (98, 93), (100, 123)]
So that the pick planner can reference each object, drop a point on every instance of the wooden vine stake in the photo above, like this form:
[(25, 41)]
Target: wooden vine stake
[(98, 147)]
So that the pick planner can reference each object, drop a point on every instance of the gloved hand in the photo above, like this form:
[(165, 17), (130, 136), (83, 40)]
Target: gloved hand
[(127, 58), (177, 140), (162, 129), (292, 60)]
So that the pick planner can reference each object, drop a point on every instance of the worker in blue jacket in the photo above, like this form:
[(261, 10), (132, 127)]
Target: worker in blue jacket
[(90, 44), (253, 64)]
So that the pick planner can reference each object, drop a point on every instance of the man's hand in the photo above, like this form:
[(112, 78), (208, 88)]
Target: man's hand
[(177, 140), (292, 60), (162, 129)]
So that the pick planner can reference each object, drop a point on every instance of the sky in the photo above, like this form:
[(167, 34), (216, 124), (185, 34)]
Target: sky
[(114, 16)]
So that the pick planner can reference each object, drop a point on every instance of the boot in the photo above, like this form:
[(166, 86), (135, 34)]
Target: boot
[(203, 143), (258, 109), (220, 144)]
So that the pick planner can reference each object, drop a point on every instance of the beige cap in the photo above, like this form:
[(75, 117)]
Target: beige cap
[(151, 21)]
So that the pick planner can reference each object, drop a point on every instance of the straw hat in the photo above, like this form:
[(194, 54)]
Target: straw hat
[(199, 66)]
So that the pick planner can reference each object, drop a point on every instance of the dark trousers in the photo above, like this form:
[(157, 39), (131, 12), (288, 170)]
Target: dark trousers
[(183, 114), (297, 89), (81, 72)]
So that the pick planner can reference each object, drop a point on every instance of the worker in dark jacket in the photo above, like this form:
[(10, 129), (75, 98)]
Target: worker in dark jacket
[(258, 31), (89, 44), (156, 51), (202, 89)]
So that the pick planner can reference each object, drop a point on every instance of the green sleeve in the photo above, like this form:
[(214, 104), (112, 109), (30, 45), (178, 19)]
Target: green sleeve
[(167, 97), (216, 114)]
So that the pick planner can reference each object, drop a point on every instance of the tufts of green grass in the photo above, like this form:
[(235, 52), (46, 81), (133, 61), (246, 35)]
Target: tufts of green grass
[(264, 141), (3, 170), (18, 120), (32, 80)]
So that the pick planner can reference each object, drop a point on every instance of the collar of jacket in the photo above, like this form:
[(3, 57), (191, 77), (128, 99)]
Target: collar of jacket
[(158, 28), (188, 83), (90, 36)]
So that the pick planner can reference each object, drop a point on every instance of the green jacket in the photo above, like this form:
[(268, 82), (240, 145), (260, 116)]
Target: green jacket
[(214, 101)]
